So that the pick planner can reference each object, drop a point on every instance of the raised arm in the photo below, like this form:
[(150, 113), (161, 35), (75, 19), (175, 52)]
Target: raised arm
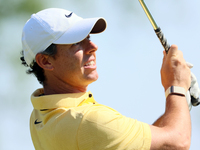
[(173, 129)]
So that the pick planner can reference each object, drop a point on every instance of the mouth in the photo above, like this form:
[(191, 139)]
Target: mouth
[(90, 64)]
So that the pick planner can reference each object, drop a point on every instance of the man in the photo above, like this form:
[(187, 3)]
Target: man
[(57, 48)]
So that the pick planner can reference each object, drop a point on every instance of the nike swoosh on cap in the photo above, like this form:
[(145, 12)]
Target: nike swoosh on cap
[(68, 16)]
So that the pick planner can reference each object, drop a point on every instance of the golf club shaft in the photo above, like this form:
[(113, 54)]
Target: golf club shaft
[(163, 41), (157, 30)]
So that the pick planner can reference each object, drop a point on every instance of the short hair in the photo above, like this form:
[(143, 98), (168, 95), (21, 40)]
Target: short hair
[(35, 68)]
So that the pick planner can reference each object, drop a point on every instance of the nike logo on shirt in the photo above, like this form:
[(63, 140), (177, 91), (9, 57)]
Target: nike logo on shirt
[(37, 122)]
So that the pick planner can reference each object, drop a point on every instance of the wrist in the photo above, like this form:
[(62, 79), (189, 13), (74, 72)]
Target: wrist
[(175, 90)]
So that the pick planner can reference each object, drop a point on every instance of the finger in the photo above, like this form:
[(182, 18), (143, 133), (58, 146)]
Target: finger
[(189, 65), (173, 50), (164, 55)]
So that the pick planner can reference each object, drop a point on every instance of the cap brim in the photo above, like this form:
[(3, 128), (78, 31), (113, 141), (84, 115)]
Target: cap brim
[(81, 29)]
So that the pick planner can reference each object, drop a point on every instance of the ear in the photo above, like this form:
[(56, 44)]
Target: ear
[(44, 62)]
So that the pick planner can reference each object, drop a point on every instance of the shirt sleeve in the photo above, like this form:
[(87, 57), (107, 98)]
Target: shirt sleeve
[(103, 128)]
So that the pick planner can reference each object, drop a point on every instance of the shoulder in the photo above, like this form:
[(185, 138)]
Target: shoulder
[(104, 126)]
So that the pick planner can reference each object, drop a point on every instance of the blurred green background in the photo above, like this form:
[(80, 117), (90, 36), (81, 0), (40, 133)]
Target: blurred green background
[(129, 59)]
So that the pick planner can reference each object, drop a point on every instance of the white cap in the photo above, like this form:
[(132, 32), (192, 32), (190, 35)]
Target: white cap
[(58, 26)]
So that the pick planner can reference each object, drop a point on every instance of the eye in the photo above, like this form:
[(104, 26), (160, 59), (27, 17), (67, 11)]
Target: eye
[(75, 44), (88, 37)]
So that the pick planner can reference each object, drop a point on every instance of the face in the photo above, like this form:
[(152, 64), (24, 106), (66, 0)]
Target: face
[(75, 64)]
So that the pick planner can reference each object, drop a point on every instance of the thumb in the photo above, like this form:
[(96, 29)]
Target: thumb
[(173, 50)]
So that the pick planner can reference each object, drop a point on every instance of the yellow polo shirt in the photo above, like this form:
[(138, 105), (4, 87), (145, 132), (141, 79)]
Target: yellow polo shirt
[(77, 122)]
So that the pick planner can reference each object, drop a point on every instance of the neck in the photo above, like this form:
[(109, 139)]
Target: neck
[(61, 88)]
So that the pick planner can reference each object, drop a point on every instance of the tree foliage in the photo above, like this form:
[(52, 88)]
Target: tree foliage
[(13, 8)]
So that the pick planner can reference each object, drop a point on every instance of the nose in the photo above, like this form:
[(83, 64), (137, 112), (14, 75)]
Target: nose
[(91, 47)]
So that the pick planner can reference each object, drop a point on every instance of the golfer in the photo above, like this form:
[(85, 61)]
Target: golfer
[(58, 51)]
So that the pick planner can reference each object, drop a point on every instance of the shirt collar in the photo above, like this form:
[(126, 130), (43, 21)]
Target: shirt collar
[(60, 100)]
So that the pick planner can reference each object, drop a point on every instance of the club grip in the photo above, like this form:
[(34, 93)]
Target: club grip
[(195, 102), (162, 39)]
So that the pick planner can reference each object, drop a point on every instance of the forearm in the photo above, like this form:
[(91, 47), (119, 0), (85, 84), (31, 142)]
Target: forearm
[(176, 119), (160, 122), (174, 124)]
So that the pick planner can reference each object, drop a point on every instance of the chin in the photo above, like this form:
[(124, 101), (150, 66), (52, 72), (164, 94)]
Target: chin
[(92, 77)]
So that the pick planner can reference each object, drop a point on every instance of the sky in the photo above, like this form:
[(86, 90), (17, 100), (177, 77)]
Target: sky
[(129, 59)]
